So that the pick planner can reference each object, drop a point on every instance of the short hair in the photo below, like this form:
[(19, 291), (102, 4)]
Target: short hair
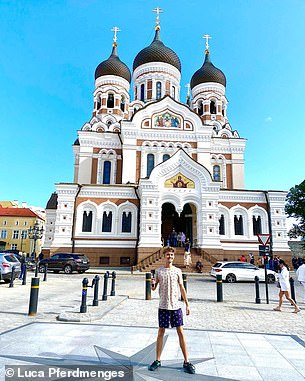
[(169, 249)]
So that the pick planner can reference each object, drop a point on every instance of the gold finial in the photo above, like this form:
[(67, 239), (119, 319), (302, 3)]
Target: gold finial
[(115, 29), (207, 37), (158, 11)]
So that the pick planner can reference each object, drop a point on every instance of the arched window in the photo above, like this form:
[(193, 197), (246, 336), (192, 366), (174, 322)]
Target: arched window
[(106, 172), (238, 225), (87, 221), (213, 107), (142, 93), (166, 156), (174, 92), (150, 163), (126, 222), (110, 100), (122, 105), (216, 172), (257, 225), (98, 103), (109, 123), (200, 108), (107, 222), (158, 90), (222, 225)]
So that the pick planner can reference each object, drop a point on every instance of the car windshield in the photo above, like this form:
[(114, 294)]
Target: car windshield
[(11, 258)]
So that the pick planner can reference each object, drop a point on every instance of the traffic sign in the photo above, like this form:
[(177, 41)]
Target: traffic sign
[(264, 238), (263, 248)]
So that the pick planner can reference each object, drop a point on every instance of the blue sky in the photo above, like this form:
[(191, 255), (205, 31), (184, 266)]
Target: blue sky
[(50, 49)]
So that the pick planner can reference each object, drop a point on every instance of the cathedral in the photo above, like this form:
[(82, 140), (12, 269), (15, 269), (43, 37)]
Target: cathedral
[(148, 165)]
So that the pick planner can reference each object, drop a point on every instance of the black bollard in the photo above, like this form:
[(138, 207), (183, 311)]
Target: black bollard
[(83, 307), (112, 293), (34, 297), (257, 298), (36, 269), (184, 280), (12, 277), (24, 275), (291, 281), (96, 281), (148, 286), (45, 272), (106, 277), (219, 288)]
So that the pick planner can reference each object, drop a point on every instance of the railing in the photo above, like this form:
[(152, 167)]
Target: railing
[(153, 258)]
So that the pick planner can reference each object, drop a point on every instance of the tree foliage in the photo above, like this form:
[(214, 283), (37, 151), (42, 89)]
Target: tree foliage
[(295, 207)]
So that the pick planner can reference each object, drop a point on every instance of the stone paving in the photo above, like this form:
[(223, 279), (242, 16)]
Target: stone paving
[(245, 341)]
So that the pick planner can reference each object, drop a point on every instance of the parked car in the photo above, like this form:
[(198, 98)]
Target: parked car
[(237, 271), (66, 262), (7, 261)]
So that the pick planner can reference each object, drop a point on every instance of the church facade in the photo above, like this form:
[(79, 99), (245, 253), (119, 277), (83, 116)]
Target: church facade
[(149, 166)]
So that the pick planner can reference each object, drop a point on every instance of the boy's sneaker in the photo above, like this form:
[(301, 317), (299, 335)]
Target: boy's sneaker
[(189, 368), (155, 365)]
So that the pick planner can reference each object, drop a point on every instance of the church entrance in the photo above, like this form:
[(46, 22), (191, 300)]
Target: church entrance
[(171, 221)]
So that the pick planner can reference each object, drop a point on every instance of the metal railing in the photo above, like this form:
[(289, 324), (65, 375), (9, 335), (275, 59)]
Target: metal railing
[(150, 260)]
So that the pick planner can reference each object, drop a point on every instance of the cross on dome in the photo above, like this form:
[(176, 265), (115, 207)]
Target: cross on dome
[(158, 11), (188, 86), (207, 37), (115, 29)]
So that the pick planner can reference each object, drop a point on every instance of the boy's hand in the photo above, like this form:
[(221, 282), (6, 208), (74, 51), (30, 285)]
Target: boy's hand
[(187, 310)]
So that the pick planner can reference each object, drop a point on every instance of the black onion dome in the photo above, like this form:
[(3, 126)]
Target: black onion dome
[(52, 202), (113, 66), (208, 73), (157, 52)]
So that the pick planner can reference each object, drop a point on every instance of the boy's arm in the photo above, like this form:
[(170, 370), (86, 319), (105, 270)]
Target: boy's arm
[(154, 284), (184, 297)]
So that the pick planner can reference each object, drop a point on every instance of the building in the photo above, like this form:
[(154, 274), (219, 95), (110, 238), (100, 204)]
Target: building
[(14, 229), (146, 166)]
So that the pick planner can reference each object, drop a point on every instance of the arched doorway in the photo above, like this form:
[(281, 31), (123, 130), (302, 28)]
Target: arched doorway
[(186, 222)]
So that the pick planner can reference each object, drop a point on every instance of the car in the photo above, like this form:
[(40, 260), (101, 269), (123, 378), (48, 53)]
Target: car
[(232, 272), (7, 261), (66, 262)]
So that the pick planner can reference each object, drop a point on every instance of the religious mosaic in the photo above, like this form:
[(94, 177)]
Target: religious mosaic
[(167, 120), (179, 181)]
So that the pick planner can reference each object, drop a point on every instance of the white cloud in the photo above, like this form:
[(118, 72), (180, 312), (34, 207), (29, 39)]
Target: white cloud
[(268, 119)]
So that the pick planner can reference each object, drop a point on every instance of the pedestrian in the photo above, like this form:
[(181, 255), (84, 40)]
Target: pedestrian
[(283, 279), (301, 276), (295, 263), (243, 258), (276, 264), (169, 279), (40, 256), (199, 266), (183, 238), (251, 258), (23, 265), (174, 238)]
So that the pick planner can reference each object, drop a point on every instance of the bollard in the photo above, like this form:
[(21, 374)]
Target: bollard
[(45, 272), (24, 275), (96, 281), (291, 281), (219, 288), (83, 307), (184, 283), (106, 277), (36, 269), (112, 293), (257, 298), (148, 286), (12, 277), (34, 297)]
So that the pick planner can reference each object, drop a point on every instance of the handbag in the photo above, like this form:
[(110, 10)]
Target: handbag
[(278, 285)]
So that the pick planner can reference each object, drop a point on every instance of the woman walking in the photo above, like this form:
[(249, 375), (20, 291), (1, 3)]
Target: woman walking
[(283, 278)]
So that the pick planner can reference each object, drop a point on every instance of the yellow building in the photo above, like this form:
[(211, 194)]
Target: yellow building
[(14, 229)]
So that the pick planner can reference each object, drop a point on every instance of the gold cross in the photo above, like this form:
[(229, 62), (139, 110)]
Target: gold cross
[(115, 29), (158, 11)]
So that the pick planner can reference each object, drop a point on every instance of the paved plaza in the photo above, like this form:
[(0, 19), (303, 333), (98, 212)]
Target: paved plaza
[(233, 340)]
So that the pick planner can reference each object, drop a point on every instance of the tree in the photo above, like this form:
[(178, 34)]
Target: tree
[(295, 207)]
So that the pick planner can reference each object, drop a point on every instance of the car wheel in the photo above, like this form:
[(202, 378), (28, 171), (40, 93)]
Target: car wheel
[(42, 268), (68, 269), (270, 278), (231, 278)]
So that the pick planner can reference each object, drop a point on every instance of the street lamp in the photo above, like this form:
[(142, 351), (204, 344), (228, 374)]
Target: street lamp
[(35, 233)]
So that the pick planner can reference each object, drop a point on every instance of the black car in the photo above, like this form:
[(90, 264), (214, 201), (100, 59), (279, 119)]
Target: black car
[(66, 262)]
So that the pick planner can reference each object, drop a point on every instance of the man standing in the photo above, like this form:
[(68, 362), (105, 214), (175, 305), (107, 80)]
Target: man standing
[(301, 276), (170, 283)]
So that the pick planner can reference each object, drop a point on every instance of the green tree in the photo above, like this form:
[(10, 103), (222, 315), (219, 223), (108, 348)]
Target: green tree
[(295, 207)]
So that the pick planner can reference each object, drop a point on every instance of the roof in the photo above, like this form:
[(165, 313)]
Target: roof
[(18, 212)]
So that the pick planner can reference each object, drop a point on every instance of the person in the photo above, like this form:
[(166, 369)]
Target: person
[(276, 264), (199, 266), (23, 265), (283, 279), (174, 236), (179, 239), (295, 263), (169, 279), (251, 258), (183, 238), (40, 256), (301, 276), (243, 258)]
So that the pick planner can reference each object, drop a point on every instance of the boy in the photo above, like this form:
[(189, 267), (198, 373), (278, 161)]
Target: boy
[(170, 283)]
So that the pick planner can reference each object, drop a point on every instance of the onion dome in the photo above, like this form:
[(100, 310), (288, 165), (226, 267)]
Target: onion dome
[(113, 66), (52, 202), (208, 73), (157, 52)]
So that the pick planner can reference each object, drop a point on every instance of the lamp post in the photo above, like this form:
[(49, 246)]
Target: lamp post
[(35, 233)]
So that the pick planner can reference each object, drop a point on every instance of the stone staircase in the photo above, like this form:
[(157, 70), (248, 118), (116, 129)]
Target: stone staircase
[(157, 259)]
